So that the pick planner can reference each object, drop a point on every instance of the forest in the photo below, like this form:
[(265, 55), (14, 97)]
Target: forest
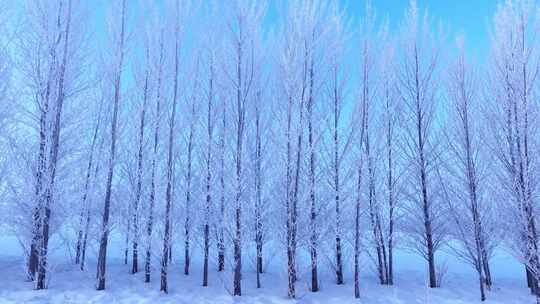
[(254, 143)]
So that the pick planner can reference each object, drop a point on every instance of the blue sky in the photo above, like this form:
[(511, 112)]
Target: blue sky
[(468, 17)]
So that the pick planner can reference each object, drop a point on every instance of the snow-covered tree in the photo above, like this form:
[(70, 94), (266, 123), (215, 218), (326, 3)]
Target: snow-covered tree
[(513, 87), (419, 60), (465, 176)]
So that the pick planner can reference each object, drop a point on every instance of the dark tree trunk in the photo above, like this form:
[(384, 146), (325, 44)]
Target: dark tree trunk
[(126, 246), (80, 233), (357, 235), (170, 161), (41, 284), (487, 270), (339, 262), (373, 210), (206, 246), (36, 216), (241, 112), (170, 251), (41, 174), (82, 223), (390, 275), (88, 213), (258, 193), (135, 249), (209, 122), (84, 216), (294, 210), (85, 239), (481, 283), (364, 104), (102, 256), (426, 204), (288, 207), (221, 235), (150, 220), (313, 208), (187, 224)]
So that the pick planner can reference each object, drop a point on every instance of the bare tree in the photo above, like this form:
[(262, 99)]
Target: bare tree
[(371, 46), (258, 150), (301, 64), (242, 23), (85, 210), (210, 124), (466, 144), (55, 142), (418, 86), (119, 50), (88, 205), (360, 167), (48, 42), (43, 99), (336, 88), (135, 220), (220, 228), (170, 163), (189, 170), (364, 103), (158, 60), (390, 125), (515, 65)]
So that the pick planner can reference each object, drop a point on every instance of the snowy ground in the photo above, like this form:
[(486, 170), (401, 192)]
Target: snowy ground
[(69, 285)]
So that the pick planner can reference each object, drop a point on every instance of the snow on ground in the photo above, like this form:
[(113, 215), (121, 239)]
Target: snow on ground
[(69, 285)]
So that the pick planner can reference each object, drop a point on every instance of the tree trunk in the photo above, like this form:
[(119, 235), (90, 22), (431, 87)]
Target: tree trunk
[(206, 246), (240, 108), (487, 270), (135, 258), (85, 239), (258, 193), (126, 246), (357, 236), (423, 179), (41, 174), (36, 217), (41, 284), (339, 262), (88, 213), (170, 162), (209, 122), (101, 266), (288, 206), (221, 234), (150, 220), (187, 224), (313, 210), (390, 275), (294, 208), (364, 104), (84, 210)]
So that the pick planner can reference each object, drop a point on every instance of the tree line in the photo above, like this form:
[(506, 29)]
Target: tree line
[(246, 130)]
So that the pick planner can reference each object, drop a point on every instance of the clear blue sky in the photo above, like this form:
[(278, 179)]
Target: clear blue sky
[(469, 17)]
